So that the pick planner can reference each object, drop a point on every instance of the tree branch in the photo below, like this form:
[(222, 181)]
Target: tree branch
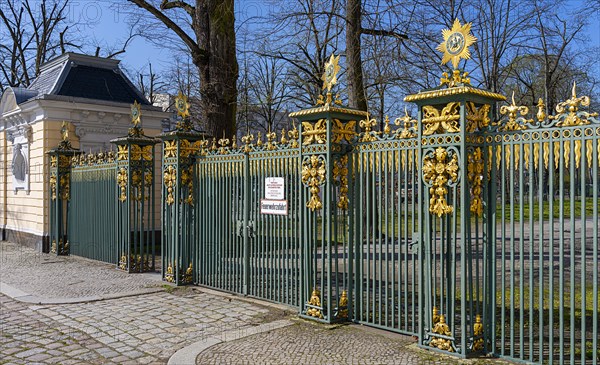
[(193, 45), (384, 33), (166, 4)]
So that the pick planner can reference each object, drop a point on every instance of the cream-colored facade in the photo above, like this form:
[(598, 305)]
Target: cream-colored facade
[(34, 124)]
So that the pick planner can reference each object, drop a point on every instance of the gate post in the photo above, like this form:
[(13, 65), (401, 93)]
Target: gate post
[(178, 208), (327, 132), (135, 218), (454, 218), (60, 192)]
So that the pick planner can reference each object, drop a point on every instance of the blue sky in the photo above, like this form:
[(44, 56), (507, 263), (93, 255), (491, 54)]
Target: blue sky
[(106, 22)]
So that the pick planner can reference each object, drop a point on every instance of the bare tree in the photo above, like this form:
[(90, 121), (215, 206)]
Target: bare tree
[(213, 51), (35, 32)]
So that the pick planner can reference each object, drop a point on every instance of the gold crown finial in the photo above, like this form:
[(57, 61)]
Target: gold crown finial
[(456, 43), (330, 75)]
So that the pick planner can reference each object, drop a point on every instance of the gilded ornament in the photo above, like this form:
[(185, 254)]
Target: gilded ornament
[(313, 175), (140, 152), (367, 124), (283, 139), (65, 186), (340, 175), (223, 142), (187, 180), (408, 125), (122, 152), (343, 305), (456, 43), (271, 144), (513, 122), (314, 133), (294, 135), (331, 70), (53, 161), (170, 148), (456, 79), (477, 118), (64, 131), (435, 316), (170, 181), (441, 328), (247, 140), (234, 143), (386, 129), (478, 332), (475, 176), (568, 111), (343, 131), (122, 182), (541, 113), (53, 186), (438, 171), (169, 275), (444, 121), (188, 275), (182, 105), (136, 114), (315, 304)]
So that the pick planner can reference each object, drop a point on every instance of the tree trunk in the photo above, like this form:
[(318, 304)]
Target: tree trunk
[(356, 90), (214, 28)]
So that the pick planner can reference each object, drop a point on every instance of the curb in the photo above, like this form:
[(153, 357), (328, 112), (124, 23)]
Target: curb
[(188, 354), (24, 297)]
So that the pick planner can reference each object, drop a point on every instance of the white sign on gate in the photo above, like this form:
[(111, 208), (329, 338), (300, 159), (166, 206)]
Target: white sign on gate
[(277, 207), (274, 188)]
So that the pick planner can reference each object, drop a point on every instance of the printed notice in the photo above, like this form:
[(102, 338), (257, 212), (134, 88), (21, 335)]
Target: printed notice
[(275, 188), (278, 207)]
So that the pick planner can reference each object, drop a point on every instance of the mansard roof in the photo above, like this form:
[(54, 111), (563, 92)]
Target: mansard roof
[(73, 75)]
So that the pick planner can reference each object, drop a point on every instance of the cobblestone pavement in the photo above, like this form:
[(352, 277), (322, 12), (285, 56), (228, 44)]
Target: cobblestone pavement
[(145, 329), (149, 328), (52, 276), (311, 343)]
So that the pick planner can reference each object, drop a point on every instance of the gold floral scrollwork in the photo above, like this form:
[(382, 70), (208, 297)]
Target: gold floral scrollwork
[(314, 133), (170, 148), (223, 142), (513, 122), (247, 141), (343, 131), (568, 114), (122, 152), (140, 152), (441, 328), (122, 182), (438, 170), (477, 118), (53, 161), (477, 332), (314, 304), (407, 124), (444, 121), (53, 186), (368, 124), (187, 180), (340, 175), (170, 181), (65, 186), (475, 176), (313, 175)]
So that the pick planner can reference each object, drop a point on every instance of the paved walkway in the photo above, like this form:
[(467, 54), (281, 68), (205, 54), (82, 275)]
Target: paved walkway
[(92, 313)]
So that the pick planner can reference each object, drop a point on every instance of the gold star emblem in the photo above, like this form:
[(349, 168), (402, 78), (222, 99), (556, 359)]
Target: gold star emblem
[(456, 43), (182, 105), (330, 75), (136, 113)]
